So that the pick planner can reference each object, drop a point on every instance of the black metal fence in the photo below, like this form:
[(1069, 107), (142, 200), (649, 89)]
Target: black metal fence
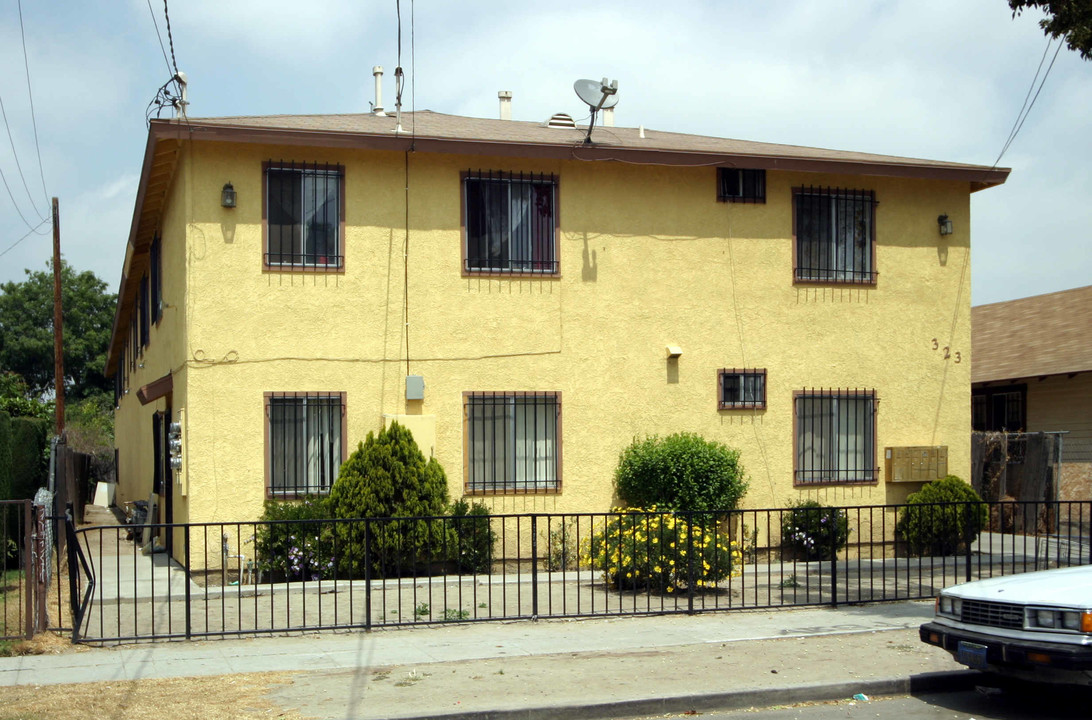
[(229, 579)]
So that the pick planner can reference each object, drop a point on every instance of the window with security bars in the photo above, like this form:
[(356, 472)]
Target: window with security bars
[(510, 222), (741, 186), (835, 437), (835, 232), (304, 211), (305, 442), (742, 389), (999, 409), (513, 442)]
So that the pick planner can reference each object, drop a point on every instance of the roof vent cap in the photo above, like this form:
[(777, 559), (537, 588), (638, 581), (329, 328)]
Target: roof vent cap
[(560, 120)]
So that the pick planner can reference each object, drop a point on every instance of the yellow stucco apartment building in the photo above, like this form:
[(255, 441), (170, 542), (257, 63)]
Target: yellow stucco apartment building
[(528, 304)]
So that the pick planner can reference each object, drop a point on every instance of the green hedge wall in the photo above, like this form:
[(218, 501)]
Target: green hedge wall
[(5, 457), (29, 464)]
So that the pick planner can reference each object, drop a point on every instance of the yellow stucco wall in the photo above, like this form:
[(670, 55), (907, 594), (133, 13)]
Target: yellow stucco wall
[(648, 258)]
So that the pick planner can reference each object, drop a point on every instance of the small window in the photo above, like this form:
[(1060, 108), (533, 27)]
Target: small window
[(155, 258), (835, 235), (999, 409), (742, 389), (513, 442), (510, 223), (304, 216), (741, 186), (835, 437), (304, 442)]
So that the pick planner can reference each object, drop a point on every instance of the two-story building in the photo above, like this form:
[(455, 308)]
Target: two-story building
[(528, 304)]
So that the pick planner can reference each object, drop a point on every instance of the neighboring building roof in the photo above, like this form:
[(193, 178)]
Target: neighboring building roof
[(427, 131), (1032, 337)]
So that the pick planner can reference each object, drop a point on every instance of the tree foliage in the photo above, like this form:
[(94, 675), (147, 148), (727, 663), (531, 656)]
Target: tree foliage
[(680, 472), (26, 330), (387, 476), (1071, 19)]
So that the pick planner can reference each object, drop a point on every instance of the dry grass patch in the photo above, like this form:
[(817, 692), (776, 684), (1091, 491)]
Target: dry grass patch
[(205, 698)]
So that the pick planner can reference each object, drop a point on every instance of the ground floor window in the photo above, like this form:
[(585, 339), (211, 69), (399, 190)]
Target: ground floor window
[(835, 437), (305, 442), (512, 442)]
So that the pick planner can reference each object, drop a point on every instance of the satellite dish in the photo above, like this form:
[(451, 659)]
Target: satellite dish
[(599, 95)]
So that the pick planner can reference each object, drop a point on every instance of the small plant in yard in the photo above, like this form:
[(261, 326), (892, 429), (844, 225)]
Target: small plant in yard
[(812, 531), (454, 615), (562, 552), (646, 548), (941, 517), (790, 582), (294, 540), (421, 610)]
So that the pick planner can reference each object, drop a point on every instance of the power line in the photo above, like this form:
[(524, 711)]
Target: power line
[(1022, 116), (18, 166), (158, 36), (32, 231), (170, 39), (30, 94)]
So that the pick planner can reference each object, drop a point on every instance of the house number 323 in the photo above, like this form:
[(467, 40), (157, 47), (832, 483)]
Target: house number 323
[(948, 351)]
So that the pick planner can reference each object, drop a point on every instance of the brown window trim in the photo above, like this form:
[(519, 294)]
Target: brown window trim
[(873, 274), (759, 198), (833, 392), (467, 272), (266, 450), (742, 405), (467, 395), (338, 269)]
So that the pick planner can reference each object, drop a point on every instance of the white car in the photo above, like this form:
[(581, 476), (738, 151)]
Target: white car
[(1035, 626)]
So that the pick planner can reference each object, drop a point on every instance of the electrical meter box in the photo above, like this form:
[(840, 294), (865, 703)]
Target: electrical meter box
[(916, 464)]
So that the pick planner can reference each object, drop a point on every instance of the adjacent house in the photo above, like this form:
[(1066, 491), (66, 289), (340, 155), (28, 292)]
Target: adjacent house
[(528, 303), (1032, 372)]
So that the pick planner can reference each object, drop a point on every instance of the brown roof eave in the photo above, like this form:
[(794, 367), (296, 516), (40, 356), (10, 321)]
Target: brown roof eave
[(980, 178)]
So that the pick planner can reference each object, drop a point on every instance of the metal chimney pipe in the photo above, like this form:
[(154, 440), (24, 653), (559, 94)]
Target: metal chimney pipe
[(505, 104), (608, 117), (377, 109)]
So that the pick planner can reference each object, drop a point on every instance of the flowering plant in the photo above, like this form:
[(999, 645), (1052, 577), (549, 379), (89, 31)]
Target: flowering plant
[(646, 548), (811, 531), (295, 541)]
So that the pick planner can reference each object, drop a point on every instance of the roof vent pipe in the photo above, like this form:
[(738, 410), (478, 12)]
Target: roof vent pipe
[(377, 108), (505, 97), (608, 117)]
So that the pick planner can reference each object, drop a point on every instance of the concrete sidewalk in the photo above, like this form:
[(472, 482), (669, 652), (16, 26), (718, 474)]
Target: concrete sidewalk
[(588, 668)]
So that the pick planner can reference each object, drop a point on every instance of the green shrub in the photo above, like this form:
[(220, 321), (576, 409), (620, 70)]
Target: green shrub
[(6, 488), (941, 517), (387, 477), (655, 550), (680, 472), (295, 540), (29, 456), (811, 531), (562, 552), (474, 537)]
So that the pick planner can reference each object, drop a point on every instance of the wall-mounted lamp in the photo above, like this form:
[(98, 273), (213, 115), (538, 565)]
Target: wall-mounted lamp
[(673, 352), (945, 225), (227, 196)]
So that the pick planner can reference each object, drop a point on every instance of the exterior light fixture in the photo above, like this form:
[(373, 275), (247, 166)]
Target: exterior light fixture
[(673, 352), (945, 225), (227, 196)]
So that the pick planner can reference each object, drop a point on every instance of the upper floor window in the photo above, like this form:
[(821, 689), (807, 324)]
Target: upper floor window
[(835, 235), (739, 185), (835, 437), (305, 442), (304, 216), (510, 222), (742, 389), (512, 442)]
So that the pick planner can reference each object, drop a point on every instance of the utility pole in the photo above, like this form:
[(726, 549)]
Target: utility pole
[(58, 353)]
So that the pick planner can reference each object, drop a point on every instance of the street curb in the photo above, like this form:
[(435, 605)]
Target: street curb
[(732, 700)]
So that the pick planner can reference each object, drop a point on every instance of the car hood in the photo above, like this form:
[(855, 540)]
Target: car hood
[(1071, 587)]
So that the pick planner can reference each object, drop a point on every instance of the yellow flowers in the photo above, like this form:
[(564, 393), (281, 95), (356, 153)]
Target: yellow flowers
[(643, 548)]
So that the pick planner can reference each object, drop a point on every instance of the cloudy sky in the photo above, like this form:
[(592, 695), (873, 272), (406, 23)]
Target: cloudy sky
[(923, 78)]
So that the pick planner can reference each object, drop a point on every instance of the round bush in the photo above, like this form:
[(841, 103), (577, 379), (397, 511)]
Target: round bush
[(941, 517), (812, 531), (681, 472), (647, 548)]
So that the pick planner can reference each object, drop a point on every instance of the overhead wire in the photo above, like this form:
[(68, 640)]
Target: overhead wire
[(1025, 109), (32, 231), (170, 38), (30, 94), (19, 167), (162, 48)]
